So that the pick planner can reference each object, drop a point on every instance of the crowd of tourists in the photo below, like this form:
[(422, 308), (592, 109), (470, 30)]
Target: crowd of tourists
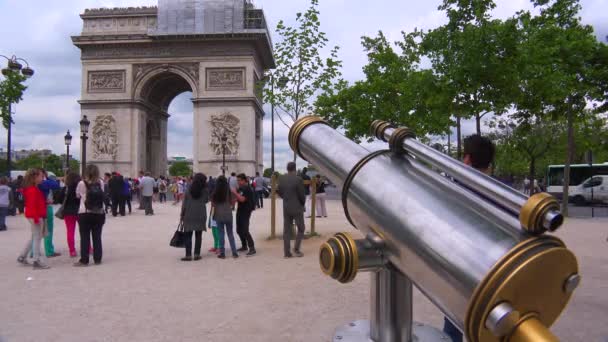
[(86, 200)]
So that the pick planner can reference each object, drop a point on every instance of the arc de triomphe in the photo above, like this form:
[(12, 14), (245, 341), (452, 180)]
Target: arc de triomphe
[(135, 61)]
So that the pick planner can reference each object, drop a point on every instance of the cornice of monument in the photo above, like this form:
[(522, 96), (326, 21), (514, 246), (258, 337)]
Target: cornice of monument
[(119, 11)]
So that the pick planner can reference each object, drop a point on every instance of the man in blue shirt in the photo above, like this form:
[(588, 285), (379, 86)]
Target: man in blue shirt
[(47, 186)]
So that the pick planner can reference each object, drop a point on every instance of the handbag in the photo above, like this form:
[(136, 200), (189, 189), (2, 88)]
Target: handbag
[(179, 237), (59, 214)]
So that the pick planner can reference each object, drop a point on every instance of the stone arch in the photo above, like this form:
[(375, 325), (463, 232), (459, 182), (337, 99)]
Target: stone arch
[(156, 86), (167, 80)]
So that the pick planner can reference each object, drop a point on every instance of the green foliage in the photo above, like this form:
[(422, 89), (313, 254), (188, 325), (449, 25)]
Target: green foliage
[(180, 168), (300, 66), (268, 172), (475, 56), (11, 91), (394, 90), (516, 144), (53, 163)]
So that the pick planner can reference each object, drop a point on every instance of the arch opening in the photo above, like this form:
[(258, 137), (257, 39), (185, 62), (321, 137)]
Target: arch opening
[(159, 91)]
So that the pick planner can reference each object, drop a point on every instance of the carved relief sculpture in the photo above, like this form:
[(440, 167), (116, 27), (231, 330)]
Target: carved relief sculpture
[(140, 70), (110, 81), (229, 125), (105, 137), (225, 79)]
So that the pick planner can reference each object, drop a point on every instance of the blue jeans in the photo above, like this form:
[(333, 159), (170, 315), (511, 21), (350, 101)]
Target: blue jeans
[(227, 227), (3, 214), (451, 330)]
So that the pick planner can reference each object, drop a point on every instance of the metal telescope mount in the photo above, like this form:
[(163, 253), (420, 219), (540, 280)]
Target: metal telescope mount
[(482, 257)]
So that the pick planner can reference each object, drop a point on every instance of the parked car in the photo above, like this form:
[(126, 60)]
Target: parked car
[(598, 185)]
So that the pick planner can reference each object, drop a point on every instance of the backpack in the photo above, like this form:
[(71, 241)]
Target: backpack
[(162, 186), (95, 197)]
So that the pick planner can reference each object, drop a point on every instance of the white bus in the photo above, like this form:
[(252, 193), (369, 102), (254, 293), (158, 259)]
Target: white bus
[(578, 174)]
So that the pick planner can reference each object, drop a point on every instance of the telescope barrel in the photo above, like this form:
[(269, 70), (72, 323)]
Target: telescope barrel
[(510, 199), (460, 252)]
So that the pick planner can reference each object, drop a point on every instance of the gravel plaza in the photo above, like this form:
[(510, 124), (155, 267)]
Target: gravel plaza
[(143, 292)]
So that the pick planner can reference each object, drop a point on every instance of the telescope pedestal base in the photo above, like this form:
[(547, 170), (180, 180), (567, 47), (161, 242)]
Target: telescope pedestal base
[(359, 331)]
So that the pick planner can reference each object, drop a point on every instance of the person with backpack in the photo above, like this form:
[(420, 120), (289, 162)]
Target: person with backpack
[(222, 201), (91, 215), (162, 190), (246, 199), (193, 216)]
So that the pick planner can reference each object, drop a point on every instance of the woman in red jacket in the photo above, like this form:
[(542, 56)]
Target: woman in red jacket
[(35, 212)]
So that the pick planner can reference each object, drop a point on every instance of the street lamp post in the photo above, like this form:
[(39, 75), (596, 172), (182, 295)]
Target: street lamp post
[(13, 65), (224, 139), (68, 142), (84, 129)]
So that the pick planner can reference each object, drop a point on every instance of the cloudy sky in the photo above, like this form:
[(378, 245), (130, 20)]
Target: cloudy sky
[(40, 31)]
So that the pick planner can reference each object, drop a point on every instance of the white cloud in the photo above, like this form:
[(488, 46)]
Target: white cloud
[(41, 34)]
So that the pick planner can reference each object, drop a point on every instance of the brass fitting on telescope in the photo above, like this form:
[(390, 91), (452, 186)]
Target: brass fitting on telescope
[(540, 213), (297, 128), (341, 257), (395, 143), (378, 127), (524, 293)]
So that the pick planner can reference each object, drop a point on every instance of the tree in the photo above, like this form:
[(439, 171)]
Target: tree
[(558, 63), (394, 89), (31, 161), (268, 172), (11, 91), (474, 54), (180, 168), (300, 66)]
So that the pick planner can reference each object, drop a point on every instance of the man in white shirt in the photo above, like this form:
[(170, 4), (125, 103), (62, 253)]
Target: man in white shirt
[(259, 190), (146, 187), (232, 181)]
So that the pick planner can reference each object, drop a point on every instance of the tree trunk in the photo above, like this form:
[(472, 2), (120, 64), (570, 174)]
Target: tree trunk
[(458, 144), (450, 141), (569, 154), (478, 123), (532, 171)]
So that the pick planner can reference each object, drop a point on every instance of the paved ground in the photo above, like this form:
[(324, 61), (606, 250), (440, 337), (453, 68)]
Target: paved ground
[(142, 292)]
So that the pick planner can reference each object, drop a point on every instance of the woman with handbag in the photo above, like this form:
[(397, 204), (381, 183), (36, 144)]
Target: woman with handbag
[(194, 216), (222, 201), (69, 210)]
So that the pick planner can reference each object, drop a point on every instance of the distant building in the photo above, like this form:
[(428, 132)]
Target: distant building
[(17, 155)]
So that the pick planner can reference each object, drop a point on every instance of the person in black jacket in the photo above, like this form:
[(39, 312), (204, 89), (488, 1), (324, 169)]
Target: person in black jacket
[(116, 186), (70, 208)]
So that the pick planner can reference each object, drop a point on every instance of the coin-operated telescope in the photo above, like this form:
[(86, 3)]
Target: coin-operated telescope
[(475, 247)]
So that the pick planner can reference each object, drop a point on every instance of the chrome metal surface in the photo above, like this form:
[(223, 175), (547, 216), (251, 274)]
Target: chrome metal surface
[(572, 283), (359, 331), (391, 306), (505, 196), (433, 232), (339, 154), (370, 256), (502, 319)]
